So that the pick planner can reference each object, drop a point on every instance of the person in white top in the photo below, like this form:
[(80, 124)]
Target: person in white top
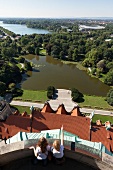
[(58, 150), (41, 151)]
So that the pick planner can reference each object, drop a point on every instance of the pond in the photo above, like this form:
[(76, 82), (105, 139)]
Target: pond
[(49, 71)]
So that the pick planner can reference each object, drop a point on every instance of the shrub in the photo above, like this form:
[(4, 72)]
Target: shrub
[(50, 92), (76, 95), (110, 97)]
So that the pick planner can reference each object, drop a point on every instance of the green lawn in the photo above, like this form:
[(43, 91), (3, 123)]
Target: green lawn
[(22, 109), (34, 96), (42, 52), (102, 118), (19, 65), (95, 102)]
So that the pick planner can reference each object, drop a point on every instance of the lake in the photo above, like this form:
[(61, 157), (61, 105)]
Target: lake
[(22, 29), (53, 72)]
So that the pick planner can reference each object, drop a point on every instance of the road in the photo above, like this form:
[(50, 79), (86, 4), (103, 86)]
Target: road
[(40, 105), (100, 112), (29, 104)]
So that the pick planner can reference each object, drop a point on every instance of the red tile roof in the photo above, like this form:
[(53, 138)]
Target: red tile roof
[(47, 108), (100, 134), (75, 112), (45, 121), (61, 110), (71, 124), (14, 124)]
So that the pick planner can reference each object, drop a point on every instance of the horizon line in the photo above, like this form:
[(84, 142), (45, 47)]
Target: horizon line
[(58, 17)]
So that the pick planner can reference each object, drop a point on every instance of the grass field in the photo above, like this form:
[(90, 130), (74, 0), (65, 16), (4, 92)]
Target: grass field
[(42, 52), (102, 118), (95, 102), (22, 109), (34, 96)]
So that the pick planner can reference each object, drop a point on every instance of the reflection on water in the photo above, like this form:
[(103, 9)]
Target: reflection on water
[(51, 60), (54, 72)]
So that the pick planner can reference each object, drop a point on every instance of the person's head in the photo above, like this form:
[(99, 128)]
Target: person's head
[(56, 145), (42, 143)]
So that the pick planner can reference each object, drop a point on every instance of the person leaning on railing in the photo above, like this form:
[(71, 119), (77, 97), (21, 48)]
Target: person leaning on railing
[(41, 151), (58, 150)]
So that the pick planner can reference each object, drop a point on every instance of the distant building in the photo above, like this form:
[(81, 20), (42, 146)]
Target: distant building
[(85, 27), (5, 110), (107, 40), (69, 30)]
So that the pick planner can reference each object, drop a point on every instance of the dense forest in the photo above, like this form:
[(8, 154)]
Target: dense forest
[(93, 48)]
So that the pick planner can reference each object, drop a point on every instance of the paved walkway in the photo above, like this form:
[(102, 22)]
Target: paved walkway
[(63, 97), (29, 104), (25, 164)]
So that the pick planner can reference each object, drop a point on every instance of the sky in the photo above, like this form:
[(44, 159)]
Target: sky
[(56, 8)]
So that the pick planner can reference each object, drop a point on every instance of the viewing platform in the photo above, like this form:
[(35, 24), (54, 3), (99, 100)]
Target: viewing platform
[(26, 164)]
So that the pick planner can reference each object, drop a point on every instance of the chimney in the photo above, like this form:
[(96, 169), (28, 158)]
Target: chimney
[(16, 112), (24, 114), (98, 122)]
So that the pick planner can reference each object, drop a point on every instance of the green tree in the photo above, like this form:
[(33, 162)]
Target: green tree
[(37, 51), (93, 71), (21, 59), (50, 92), (109, 78), (93, 57), (48, 49), (101, 65), (30, 49), (76, 95), (75, 54), (2, 88), (98, 72), (110, 97), (24, 40), (12, 87), (61, 55), (109, 65), (27, 65), (55, 50), (70, 53), (19, 49)]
